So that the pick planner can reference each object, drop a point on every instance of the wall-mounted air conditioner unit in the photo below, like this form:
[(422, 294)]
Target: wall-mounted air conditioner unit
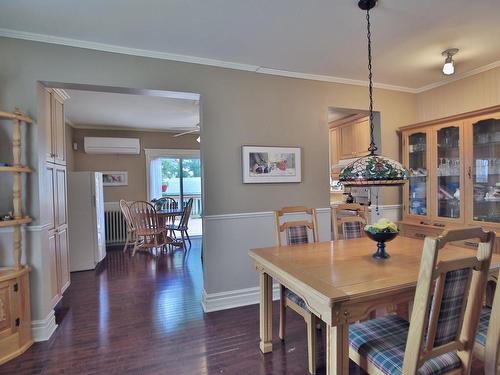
[(105, 145)]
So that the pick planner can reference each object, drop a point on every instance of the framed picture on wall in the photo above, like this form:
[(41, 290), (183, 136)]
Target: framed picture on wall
[(266, 164), (115, 178)]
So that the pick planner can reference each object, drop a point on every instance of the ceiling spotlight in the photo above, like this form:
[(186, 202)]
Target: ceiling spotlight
[(449, 67)]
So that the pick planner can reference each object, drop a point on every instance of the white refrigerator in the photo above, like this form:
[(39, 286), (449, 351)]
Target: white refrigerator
[(86, 220)]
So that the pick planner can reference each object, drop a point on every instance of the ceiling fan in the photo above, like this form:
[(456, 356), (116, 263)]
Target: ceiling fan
[(195, 130)]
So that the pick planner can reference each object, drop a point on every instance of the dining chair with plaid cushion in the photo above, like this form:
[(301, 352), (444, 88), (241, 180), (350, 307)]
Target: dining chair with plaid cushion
[(487, 346), (439, 338), (297, 233), (353, 228), (341, 216)]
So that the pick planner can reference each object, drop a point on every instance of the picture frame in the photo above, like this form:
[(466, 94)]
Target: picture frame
[(271, 164), (114, 178)]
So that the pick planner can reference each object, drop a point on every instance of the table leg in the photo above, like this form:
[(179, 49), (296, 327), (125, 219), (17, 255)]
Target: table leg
[(266, 312), (337, 350)]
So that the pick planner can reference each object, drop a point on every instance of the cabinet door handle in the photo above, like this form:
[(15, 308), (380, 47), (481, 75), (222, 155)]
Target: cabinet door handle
[(469, 172), (419, 235)]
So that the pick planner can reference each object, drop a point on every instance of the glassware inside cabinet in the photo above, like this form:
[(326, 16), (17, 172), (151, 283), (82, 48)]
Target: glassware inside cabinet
[(486, 170), (448, 172), (417, 164)]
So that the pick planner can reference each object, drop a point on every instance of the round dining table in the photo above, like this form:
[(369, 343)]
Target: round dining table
[(169, 214)]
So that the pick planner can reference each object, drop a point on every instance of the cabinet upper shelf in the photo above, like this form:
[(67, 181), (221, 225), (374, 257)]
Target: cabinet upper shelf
[(14, 222), (16, 169), (15, 116)]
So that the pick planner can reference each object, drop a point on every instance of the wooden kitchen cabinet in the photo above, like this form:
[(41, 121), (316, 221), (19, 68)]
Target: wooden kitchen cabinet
[(62, 256), (334, 149), (361, 137), (354, 138), (58, 232), (346, 133), (52, 261), (55, 131), (15, 313)]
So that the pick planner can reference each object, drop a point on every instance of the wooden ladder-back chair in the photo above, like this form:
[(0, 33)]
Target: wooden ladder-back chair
[(183, 225), (167, 203), (296, 233), (147, 226), (441, 333), (124, 207), (351, 218), (487, 346)]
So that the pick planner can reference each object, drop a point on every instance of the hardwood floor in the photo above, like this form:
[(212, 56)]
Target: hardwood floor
[(142, 315)]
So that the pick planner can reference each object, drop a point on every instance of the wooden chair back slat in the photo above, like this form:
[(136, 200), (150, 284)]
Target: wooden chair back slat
[(311, 225), (492, 347), (186, 213), (457, 285), (124, 207), (144, 216), (355, 209)]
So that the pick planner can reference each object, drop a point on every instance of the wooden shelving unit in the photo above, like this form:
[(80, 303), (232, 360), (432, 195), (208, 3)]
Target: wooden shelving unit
[(454, 164), (18, 169), (15, 310)]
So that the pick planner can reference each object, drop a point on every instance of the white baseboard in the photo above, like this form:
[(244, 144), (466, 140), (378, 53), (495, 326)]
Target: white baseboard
[(233, 298), (43, 329)]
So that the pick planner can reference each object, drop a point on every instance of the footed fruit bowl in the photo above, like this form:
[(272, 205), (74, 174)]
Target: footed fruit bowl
[(381, 232)]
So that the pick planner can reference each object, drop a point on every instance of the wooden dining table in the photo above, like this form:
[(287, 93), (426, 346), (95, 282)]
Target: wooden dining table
[(163, 217), (169, 213), (341, 283)]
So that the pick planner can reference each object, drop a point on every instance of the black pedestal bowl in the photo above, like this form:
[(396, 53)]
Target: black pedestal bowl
[(381, 238)]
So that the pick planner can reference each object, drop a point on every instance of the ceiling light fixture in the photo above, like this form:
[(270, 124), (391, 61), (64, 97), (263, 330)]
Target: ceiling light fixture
[(372, 170), (449, 64)]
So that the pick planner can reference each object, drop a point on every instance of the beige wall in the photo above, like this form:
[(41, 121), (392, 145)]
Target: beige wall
[(135, 165), (70, 159), (238, 108), (472, 93)]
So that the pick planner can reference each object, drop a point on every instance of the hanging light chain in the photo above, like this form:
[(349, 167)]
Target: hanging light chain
[(372, 147)]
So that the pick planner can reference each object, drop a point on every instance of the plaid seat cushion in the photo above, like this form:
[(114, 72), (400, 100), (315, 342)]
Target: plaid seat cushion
[(382, 342), (296, 299), (297, 235), (482, 329), (455, 286), (353, 229)]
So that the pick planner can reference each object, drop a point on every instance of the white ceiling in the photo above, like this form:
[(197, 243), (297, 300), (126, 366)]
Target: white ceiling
[(112, 110), (321, 37)]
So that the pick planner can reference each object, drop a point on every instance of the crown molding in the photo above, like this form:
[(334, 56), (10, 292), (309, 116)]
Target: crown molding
[(324, 78), (458, 77), (62, 93), (124, 128), (8, 33), (16, 34)]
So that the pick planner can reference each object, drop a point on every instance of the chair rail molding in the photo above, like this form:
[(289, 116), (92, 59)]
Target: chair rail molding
[(229, 275), (230, 278)]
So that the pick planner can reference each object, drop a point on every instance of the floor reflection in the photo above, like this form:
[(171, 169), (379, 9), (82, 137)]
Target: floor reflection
[(142, 315)]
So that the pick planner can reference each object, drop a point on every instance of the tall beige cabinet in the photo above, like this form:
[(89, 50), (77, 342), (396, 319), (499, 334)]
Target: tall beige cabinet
[(56, 193)]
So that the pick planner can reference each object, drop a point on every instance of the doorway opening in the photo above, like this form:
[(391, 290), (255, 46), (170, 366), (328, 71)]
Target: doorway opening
[(176, 174), (349, 138)]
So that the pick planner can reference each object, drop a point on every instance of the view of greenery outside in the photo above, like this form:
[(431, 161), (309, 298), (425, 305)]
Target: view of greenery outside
[(190, 168)]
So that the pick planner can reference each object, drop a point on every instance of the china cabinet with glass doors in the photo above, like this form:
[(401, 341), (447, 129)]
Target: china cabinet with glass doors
[(454, 166)]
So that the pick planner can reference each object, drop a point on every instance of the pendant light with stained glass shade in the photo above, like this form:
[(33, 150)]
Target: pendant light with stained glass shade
[(372, 170)]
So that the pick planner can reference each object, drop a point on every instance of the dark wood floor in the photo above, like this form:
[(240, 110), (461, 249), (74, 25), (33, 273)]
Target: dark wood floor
[(142, 315)]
